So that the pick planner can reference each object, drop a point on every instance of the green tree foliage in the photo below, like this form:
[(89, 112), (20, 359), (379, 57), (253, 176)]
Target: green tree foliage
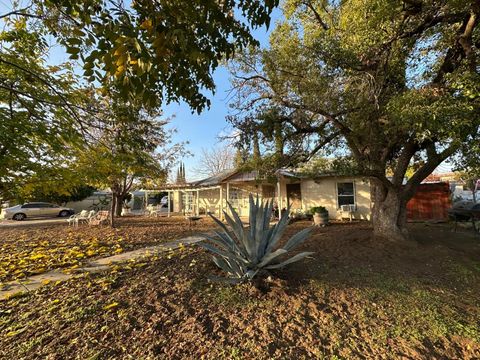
[(41, 106), (154, 50), (386, 81), (133, 149), (150, 51)]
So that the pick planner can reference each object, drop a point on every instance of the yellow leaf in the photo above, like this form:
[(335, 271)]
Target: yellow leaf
[(146, 24), (120, 71), (13, 333), (110, 306)]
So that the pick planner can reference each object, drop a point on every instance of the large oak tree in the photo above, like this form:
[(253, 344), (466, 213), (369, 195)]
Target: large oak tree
[(393, 81)]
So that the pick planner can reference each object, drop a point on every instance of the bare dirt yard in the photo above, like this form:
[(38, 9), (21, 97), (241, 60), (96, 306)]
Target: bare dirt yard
[(355, 298)]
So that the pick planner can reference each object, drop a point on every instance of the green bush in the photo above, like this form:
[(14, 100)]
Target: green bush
[(318, 210), (243, 251)]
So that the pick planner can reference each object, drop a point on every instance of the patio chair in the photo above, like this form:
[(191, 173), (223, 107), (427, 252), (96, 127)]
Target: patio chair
[(149, 210), (99, 218), (72, 220), (87, 218), (158, 210)]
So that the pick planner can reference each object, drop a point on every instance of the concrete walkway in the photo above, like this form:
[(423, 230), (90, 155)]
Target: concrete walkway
[(34, 282), (32, 222)]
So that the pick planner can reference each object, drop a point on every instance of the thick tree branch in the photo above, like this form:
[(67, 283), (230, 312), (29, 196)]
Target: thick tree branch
[(433, 160), (462, 48), (403, 161)]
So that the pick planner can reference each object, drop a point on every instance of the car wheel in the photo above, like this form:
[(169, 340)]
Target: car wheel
[(64, 213), (19, 217)]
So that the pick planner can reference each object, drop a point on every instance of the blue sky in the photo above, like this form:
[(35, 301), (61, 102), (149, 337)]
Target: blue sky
[(201, 131)]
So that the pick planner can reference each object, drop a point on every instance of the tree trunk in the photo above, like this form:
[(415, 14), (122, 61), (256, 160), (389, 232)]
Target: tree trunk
[(112, 209), (389, 213), (119, 205)]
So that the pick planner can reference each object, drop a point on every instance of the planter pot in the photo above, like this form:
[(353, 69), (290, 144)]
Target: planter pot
[(320, 219)]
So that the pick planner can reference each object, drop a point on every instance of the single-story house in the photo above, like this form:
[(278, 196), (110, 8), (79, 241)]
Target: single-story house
[(343, 196)]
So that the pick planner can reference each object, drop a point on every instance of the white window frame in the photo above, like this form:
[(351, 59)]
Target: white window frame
[(354, 193), (235, 198), (187, 201)]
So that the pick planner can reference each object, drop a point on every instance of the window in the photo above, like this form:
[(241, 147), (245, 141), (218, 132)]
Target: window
[(29, 206), (187, 201), (234, 199), (45, 205), (345, 193)]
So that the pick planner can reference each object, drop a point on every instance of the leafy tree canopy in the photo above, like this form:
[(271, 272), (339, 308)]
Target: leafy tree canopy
[(42, 106), (56, 196), (154, 50)]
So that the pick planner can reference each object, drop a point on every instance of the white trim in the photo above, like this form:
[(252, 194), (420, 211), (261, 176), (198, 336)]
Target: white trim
[(168, 203), (354, 192)]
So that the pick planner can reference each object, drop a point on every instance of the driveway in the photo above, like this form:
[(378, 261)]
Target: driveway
[(32, 222)]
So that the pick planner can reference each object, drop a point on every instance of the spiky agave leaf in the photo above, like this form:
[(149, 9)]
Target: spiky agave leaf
[(297, 239), (297, 257), (278, 230), (243, 252), (267, 231)]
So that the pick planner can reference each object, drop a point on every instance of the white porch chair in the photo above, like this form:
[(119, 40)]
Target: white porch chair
[(73, 220), (86, 219)]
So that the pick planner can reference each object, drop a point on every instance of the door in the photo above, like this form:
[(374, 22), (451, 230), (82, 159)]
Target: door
[(41, 210), (50, 210), (30, 210), (294, 196)]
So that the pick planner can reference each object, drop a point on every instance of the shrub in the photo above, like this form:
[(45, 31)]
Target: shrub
[(242, 252), (318, 210)]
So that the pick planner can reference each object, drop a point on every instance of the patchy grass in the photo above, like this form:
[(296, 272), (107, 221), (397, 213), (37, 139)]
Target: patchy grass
[(34, 250), (357, 299)]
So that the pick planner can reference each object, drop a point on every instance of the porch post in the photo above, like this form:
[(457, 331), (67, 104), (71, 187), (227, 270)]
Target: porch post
[(168, 203), (221, 202), (279, 196), (228, 195), (198, 203)]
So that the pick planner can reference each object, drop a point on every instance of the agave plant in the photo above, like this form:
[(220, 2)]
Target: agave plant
[(243, 251)]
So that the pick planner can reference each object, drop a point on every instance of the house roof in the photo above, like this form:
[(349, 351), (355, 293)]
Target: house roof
[(214, 180), (241, 176), (233, 176)]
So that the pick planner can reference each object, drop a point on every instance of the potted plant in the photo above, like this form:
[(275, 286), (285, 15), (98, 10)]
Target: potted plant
[(320, 215)]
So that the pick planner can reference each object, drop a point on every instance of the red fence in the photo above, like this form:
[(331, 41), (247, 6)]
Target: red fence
[(431, 202)]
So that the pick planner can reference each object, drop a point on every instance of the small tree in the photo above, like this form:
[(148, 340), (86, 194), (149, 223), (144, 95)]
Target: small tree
[(133, 149)]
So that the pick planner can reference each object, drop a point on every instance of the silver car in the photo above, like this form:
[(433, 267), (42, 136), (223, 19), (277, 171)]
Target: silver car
[(36, 209)]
